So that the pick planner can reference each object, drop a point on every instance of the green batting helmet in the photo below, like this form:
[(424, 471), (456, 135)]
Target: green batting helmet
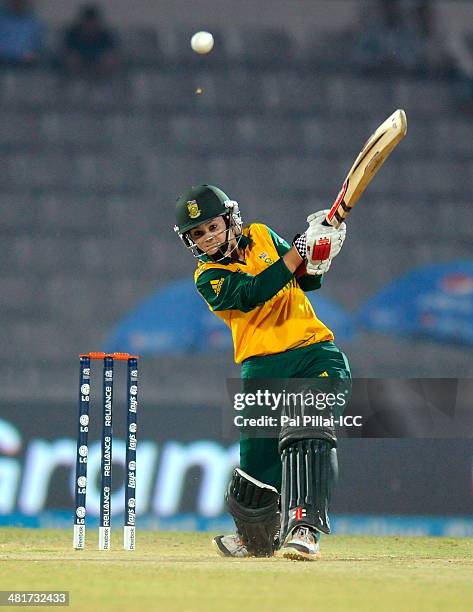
[(199, 204)]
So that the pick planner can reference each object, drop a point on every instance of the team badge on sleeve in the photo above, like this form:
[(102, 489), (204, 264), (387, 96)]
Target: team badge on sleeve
[(266, 258)]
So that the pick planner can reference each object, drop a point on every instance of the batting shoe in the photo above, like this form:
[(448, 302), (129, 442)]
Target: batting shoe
[(230, 546), (302, 544)]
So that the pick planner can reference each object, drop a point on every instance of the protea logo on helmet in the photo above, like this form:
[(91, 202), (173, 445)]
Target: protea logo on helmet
[(193, 209)]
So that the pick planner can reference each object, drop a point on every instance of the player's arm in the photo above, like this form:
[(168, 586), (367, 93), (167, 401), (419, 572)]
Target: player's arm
[(307, 282), (225, 290)]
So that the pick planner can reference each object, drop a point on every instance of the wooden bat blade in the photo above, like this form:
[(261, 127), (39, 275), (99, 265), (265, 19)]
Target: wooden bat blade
[(370, 159)]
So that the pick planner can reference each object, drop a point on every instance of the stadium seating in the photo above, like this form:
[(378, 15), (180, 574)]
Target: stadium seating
[(90, 172)]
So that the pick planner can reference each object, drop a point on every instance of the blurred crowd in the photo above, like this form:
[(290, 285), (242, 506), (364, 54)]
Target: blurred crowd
[(391, 37), (405, 37), (394, 38), (87, 45)]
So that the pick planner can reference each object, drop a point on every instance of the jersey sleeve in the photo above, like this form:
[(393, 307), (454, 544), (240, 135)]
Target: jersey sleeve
[(307, 282), (225, 290), (310, 282), (282, 247)]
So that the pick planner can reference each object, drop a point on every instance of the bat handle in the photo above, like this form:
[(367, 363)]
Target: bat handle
[(335, 205)]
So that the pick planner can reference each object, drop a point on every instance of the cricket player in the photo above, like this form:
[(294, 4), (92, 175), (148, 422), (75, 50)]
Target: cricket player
[(256, 282)]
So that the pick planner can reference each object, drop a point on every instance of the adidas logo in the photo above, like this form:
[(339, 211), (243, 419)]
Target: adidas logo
[(217, 285)]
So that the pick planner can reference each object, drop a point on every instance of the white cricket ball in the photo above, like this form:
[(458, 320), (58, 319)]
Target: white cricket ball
[(202, 42)]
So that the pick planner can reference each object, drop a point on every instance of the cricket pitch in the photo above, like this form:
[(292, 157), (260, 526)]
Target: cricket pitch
[(181, 571)]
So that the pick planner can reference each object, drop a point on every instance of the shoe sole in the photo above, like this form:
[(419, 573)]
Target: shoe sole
[(297, 555)]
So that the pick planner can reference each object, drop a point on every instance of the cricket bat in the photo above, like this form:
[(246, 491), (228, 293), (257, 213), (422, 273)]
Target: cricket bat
[(370, 159)]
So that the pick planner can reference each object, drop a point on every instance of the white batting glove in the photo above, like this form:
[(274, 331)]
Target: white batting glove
[(323, 243), (318, 268)]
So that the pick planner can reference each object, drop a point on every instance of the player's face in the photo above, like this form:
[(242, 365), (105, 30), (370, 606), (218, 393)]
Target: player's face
[(210, 235)]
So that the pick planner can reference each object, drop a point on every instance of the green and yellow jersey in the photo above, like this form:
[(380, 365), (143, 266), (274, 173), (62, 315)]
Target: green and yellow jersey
[(260, 299)]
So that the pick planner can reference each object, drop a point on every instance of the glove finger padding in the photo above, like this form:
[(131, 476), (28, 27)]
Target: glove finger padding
[(317, 268), (318, 217), (338, 238)]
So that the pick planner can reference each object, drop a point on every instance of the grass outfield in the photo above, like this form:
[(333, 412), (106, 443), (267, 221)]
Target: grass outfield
[(182, 572)]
